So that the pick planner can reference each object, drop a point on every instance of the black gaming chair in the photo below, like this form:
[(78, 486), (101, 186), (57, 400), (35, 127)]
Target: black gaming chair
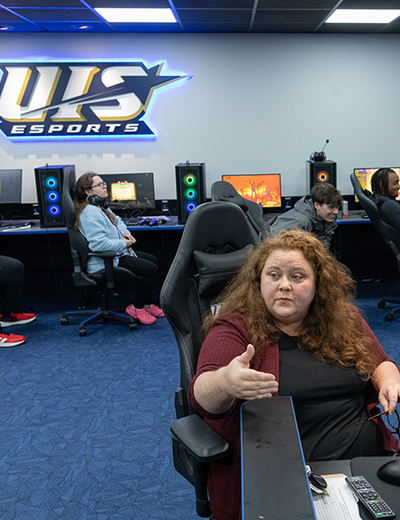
[(224, 191), (389, 234), (216, 242), (101, 283)]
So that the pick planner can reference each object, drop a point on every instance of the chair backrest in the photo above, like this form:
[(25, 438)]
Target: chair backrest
[(225, 192), (216, 242), (389, 233), (78, 244)]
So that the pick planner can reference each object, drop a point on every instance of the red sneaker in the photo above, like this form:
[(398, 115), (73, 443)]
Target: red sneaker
[(16, 319), (155, 311), (10, 340)]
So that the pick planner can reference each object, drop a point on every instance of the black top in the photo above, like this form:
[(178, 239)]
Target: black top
[(328, 400)]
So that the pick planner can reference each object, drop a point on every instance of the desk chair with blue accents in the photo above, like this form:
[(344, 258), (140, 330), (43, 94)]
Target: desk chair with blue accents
[(100, 284)]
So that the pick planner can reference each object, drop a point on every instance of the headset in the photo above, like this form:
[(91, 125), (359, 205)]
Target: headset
[(95, 200)]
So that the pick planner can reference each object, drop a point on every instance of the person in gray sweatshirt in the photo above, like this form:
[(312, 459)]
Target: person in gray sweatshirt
[(315, 212)]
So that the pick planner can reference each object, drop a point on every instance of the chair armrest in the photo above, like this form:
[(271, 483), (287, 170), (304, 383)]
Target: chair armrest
[(106, 254), (108, 257), (199, 439)]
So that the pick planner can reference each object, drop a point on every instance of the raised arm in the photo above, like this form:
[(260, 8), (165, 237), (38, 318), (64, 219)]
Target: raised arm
[(215, 391)]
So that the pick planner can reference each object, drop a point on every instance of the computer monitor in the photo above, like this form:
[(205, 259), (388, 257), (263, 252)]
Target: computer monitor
[(10, 186), (263, 188), (364, 176), (130, 191)]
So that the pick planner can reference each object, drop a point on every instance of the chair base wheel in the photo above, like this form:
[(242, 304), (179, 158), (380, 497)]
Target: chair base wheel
[(82, 331), (381, 305), (64, 320), (389, 317)]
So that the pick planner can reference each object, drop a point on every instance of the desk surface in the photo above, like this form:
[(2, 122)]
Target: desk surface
[(14, 227)]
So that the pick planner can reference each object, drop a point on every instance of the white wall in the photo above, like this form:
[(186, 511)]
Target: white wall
[(254, 103)]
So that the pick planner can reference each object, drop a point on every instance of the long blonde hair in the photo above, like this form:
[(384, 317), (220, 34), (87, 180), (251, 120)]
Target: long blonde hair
[(332, 328)]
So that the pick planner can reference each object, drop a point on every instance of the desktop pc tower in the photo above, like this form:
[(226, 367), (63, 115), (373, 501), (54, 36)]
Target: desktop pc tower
[(49, 185), (321, 171), (190, 188)]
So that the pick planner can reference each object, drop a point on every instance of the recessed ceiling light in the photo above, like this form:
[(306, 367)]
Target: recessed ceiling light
[(363, 16), (127, 15), (82, 27)]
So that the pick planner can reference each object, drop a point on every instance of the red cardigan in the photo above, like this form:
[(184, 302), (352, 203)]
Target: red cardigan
[(227, 339)]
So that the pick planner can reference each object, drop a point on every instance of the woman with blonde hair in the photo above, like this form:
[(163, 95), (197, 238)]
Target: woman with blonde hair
[(287, 326)]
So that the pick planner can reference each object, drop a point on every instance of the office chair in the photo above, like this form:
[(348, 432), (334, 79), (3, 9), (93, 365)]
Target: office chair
[(224, 191), (215, 243), (390, 235), (103, 282)]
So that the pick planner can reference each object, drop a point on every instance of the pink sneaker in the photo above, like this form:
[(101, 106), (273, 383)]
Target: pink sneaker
[(140, 314), (155, 311)]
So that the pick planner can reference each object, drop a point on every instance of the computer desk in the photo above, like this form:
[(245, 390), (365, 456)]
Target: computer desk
[(47, 249), (358, 245), (274, 483), (367, 467)]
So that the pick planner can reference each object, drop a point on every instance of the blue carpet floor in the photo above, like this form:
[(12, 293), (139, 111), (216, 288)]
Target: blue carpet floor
[(84, 423)]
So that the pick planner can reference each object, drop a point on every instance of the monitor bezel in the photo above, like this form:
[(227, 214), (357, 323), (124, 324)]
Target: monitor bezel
[(18, 173), (129, 206), (266, 174)]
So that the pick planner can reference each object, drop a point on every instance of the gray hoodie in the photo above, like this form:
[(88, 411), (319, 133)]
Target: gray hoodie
[(304, 216)]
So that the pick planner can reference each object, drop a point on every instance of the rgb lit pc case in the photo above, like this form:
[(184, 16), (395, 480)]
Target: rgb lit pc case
[(49, 186)]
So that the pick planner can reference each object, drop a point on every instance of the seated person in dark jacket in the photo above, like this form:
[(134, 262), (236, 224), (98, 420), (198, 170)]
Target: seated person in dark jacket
[(316, 213), (385, 188)]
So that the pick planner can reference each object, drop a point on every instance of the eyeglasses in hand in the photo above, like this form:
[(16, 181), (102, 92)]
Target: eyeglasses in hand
[(393, 422)]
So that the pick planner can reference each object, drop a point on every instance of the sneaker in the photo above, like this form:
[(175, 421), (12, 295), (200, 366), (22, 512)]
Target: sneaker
[(140, 314), (10, 340), (155, 311), (16, 319)]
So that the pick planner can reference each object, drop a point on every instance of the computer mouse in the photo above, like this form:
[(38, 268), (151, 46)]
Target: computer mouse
[(390, 472), (31, 223), (153, 222), (143, 222)]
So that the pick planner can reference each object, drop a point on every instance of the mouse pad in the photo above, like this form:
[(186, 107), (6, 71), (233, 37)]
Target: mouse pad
[(274, 480), (368, 466)]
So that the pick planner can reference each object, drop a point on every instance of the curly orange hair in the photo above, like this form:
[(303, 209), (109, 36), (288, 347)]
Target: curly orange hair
[(333, 328)]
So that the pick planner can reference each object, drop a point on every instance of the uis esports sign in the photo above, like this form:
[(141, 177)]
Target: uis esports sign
[(77, 99)]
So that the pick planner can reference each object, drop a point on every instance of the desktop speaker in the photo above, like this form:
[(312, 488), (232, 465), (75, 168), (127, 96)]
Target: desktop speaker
[(190, 188), (49, 184), (322, 171)]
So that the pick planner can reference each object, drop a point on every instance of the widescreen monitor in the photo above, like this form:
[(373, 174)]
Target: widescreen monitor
[(10, 186), (263, 188), (130, 191), (364, 176)]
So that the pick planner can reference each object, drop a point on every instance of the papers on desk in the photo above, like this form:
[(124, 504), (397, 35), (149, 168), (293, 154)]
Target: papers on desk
[(15, 228), (341, 504)]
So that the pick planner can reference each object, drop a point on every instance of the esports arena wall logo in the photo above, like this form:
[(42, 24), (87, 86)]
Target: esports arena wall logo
[(77, 99)]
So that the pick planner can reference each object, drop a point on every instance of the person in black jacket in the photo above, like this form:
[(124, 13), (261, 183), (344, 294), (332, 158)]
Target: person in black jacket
[(385, 188)]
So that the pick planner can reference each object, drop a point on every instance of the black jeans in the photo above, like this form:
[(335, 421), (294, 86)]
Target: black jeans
[(146, 266), (12, 273)]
